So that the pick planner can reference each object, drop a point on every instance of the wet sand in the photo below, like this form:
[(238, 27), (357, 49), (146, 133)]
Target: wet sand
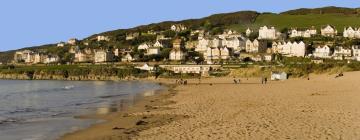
[(323, 107)]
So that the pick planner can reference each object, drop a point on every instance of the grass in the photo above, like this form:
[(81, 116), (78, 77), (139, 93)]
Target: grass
[(281, 21)]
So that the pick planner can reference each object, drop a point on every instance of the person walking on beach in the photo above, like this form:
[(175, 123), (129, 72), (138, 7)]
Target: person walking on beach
[(235, 82), (262, 80), (265, 80)]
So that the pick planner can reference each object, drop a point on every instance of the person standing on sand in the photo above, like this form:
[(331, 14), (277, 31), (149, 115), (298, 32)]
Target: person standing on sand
[(265, 80), (262, 80)]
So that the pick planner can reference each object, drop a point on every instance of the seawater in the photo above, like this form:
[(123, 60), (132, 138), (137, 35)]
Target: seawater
[(43, 110)]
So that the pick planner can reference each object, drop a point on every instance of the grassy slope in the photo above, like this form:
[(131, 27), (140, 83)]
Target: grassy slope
[(281, 21)]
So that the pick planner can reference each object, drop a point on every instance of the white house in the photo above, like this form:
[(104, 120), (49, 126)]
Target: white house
[(329, 31), (212, 53), (127, 58), (158, 44), (229, 34), (341, 53), (202, 45), (84, 56), (248, 32), (302, 33), (144, 46), (176, 55), (356, 52), (103, 56), (132, 36), (350, 32), (322, 52), (72, 41), (102, 38), (178, 27), (52, 59), (267, 33), (217, 53), (61, 44), (255, 46), (234, 43), (25, 56), (153, 50), (289, 49)]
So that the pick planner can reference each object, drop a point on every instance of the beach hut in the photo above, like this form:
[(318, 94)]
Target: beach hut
[(278, 76)]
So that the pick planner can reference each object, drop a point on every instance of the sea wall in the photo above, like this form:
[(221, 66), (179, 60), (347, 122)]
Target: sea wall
[(61, 77)]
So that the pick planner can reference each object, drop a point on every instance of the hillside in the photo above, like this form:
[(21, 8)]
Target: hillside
[(324, 10), (337, 16), (281, 21)]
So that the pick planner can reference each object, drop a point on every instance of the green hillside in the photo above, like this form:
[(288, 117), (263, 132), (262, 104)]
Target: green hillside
[(324, 10), (281, 21)]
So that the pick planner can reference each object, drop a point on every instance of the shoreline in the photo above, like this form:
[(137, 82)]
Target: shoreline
[(126, 124)]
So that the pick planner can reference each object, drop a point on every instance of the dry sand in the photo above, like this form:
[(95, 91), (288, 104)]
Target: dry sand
[(320, 108)]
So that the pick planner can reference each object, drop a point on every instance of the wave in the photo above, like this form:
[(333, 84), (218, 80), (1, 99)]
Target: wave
[(112, 96)]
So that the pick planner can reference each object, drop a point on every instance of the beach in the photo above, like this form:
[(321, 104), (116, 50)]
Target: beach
[(323, 107)]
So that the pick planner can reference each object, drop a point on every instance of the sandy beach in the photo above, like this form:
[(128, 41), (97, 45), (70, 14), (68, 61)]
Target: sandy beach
[(323, 107)]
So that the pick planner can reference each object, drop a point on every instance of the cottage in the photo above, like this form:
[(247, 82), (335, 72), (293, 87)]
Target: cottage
[(202, 45), (212, 53), (275, 76), (234, 43), (267, 33), (229, 34), (24, 56), (144, 46), (158, 44), (191, 44), (72, 41), (74, 49), (52, 59), (248, 32), (38, 58), (103, 56), (127, 58), (350, 32), (341, 53), (176, 55), (84, 56), (329, 31), (302, 33), (289, 49), (356, 52), (153, 50), (61, 44), (255, 46), (102, 38), (322, 52), (178, 27), (178, 44)]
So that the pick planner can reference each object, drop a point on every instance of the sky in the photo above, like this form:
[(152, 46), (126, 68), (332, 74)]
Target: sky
[(26, 23)]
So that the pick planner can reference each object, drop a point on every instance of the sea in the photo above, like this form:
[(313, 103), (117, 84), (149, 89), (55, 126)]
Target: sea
[(46, 110)]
